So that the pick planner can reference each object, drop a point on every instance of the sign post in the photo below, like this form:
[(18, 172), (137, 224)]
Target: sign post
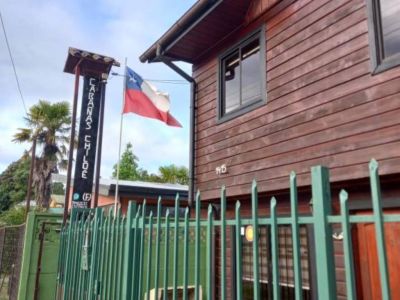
[(95, 69)]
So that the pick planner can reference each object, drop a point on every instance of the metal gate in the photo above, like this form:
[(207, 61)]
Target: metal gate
[(11, 247), (142, 256)]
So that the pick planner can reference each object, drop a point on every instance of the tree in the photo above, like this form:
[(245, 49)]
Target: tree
[(13, 181), (128, 168), (49, 124), (174, 174), (57, 188)]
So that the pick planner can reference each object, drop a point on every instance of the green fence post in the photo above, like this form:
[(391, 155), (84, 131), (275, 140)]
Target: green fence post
[(379, 228), (223, 242), (60, 263), (166, 256), (295, 238), (100, 274), (186, 255), (67, 275), (127, 271), (176, 249), (347, 247), (321, 197), (135, 256), (157, 264), (103, 248), (114, 254), (107, 245), (110, 259), (121, 258), (238, 244), (100, 250), (274, 251), (150, 238), (209, 251), (141, 252), (254, 216), (197, 249), (93, 261)]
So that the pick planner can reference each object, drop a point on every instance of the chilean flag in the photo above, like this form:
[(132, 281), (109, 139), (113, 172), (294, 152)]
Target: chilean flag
[(142, 98)]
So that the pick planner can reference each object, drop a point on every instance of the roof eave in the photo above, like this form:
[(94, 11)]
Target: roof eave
[(199, 9)]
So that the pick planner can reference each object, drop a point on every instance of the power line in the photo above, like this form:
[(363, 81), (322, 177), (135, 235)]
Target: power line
[(13, 64), (170, 81)]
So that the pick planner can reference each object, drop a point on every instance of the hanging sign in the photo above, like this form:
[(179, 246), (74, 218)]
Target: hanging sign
[(87, 142)]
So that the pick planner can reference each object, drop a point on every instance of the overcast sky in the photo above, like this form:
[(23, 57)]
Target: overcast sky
[(40, 32)]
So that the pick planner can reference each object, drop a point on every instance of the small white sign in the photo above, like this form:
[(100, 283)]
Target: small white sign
[(222, 169)]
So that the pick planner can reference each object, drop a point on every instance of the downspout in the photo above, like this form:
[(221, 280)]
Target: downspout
[(193, 88)]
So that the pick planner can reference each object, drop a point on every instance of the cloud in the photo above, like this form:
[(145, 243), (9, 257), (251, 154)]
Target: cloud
[(40, 33)]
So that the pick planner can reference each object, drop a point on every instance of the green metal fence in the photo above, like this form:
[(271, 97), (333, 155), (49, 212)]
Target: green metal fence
[(142, 256)]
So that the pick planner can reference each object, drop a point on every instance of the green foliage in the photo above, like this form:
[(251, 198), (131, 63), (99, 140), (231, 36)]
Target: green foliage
[(57, 188), (13, 216), (129, 170), (174, 174), (49, 125), (13, 183)]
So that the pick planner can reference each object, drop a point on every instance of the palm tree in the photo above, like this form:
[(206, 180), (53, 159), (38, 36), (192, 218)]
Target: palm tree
[(174, 174), (48, 124)]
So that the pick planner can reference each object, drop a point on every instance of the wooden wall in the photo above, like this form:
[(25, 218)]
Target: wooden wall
[(323, 105)]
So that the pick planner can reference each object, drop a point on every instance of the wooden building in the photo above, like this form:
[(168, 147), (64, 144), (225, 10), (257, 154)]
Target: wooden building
[(281, 86)]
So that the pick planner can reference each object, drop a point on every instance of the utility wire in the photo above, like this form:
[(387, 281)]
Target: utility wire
[(13, 64), (170, 81)]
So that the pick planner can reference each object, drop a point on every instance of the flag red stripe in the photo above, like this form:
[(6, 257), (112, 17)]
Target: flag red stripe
[(137, 102)]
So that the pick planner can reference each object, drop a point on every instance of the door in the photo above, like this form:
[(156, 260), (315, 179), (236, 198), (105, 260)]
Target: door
[(367, 265)]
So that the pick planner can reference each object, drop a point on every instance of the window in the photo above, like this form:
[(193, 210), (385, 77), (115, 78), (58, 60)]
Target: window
[(384, 29), (242, 77)]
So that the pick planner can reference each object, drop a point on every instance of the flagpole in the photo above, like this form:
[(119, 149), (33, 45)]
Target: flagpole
[(120, 141)]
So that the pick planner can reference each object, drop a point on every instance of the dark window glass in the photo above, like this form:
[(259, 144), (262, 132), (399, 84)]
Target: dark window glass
[(232, 82), (390, 16), (241, 76), (251, 72)]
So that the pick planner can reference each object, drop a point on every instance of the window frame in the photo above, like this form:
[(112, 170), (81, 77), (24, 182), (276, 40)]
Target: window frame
[(242, 109), (378, 61)]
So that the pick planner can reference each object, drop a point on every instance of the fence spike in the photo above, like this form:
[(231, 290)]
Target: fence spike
[(176, 249), (295, 237), (148, 271), (254, 216), (166, 256), (141, 252), (275, 251), (186, 255), (347, 246), (128, 249), (157, 264), (209, 251), (223, 242), (238, 244), (197, 248), (379, 228)]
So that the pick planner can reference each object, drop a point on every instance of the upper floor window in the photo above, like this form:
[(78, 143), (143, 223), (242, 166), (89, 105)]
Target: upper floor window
[(384, 21), (242, 77)]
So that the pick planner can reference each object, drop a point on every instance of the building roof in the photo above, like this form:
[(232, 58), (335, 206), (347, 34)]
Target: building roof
[(207, 23), (90, 63), (137, 188)]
